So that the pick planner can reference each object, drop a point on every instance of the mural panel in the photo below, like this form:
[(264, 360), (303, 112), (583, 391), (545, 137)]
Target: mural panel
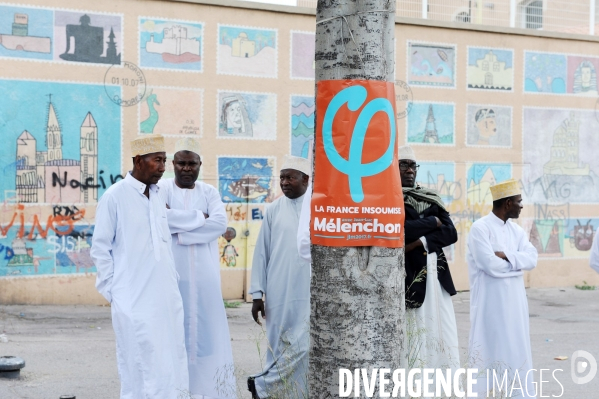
[(236, 247), (489, 125), (62, 142), (173, 45), (171, 111), (245, 179), (247, 115), (440, 176), (562, 238), (302, 55), (560, 157), (544, 73), (26, 32), (431, 123), (87, 37), (302, 125), (247, 51), (431, 64), (490, 69), (480, 177)]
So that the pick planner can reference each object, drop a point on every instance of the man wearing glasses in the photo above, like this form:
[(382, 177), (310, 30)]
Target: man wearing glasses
[(428, 229)]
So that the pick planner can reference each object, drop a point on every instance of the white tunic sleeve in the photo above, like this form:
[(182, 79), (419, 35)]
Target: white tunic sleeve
[(261, 258), (102, 240), (208, 230), (181, 220), (525, 257), (595, 253), (303, 231), (479, 245)]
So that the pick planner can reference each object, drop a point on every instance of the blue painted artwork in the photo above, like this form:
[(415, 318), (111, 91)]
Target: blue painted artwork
[(171, 44), (243, 179), (26, 32), (545, 73), (62, 142), (439, 176), (431, 123), (302, 125), (492, 173), (247, 51), (54, 250)]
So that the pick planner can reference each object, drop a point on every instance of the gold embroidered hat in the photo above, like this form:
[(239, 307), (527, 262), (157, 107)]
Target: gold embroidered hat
[(188, 144), (147, 145), (508, 188)]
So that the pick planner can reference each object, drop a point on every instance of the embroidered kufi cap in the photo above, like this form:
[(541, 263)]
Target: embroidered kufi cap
[(147, 145), (406, 152), (297, 163), (188, 144), (508, 188)]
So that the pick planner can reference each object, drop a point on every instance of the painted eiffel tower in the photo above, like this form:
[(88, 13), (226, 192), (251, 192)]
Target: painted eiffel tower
[(430, 132)]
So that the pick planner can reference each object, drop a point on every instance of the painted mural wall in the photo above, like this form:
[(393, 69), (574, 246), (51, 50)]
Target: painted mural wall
[(79, 80)]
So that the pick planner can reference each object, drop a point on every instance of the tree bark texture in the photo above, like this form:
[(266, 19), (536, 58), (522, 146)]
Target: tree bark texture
[(357, 293)]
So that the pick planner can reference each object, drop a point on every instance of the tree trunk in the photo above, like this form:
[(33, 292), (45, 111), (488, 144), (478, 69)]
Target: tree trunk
[(357, 293)]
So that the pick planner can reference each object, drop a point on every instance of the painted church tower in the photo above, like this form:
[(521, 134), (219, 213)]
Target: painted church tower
[(53, 135), (89, 158)]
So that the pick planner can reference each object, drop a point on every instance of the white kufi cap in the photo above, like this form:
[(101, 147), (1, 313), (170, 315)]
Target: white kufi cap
[(188, 144), (297, 163), (406, 152)]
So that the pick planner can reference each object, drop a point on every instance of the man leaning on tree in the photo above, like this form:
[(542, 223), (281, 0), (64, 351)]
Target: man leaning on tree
[(429, 286)]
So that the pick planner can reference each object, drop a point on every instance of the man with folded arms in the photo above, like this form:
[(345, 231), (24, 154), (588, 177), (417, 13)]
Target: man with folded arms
[(196, 217), (498, 254)]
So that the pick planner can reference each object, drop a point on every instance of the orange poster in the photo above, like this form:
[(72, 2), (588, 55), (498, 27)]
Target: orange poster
[(357, 198)]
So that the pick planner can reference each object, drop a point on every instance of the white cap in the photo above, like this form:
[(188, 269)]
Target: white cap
[(406, 152), (188, 144), (297, 163)]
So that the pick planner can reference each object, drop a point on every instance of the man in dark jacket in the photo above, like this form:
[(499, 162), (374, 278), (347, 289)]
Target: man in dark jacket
[(428, 229)]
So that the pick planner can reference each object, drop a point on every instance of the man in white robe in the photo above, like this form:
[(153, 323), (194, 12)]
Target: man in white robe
[(131, 248), (594, 261), (283, 277), (196, 217), (498, 254), (303, 230)]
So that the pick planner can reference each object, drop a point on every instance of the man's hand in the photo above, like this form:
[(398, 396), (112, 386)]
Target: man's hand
[(413, 245), (205, 215), (439, 224), (501, 255), (258, 306)]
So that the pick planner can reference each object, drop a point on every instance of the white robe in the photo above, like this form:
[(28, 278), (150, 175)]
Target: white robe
[(280, 273), (131, 248), (195, 249), (499, 319), (594, 261), (303, 230), (432, 328)]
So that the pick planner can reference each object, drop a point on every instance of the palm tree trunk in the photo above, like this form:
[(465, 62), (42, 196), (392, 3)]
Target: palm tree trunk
[(357, 293)]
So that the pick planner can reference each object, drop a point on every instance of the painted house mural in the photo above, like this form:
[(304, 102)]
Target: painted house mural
[(174, 45), (25, 33)]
